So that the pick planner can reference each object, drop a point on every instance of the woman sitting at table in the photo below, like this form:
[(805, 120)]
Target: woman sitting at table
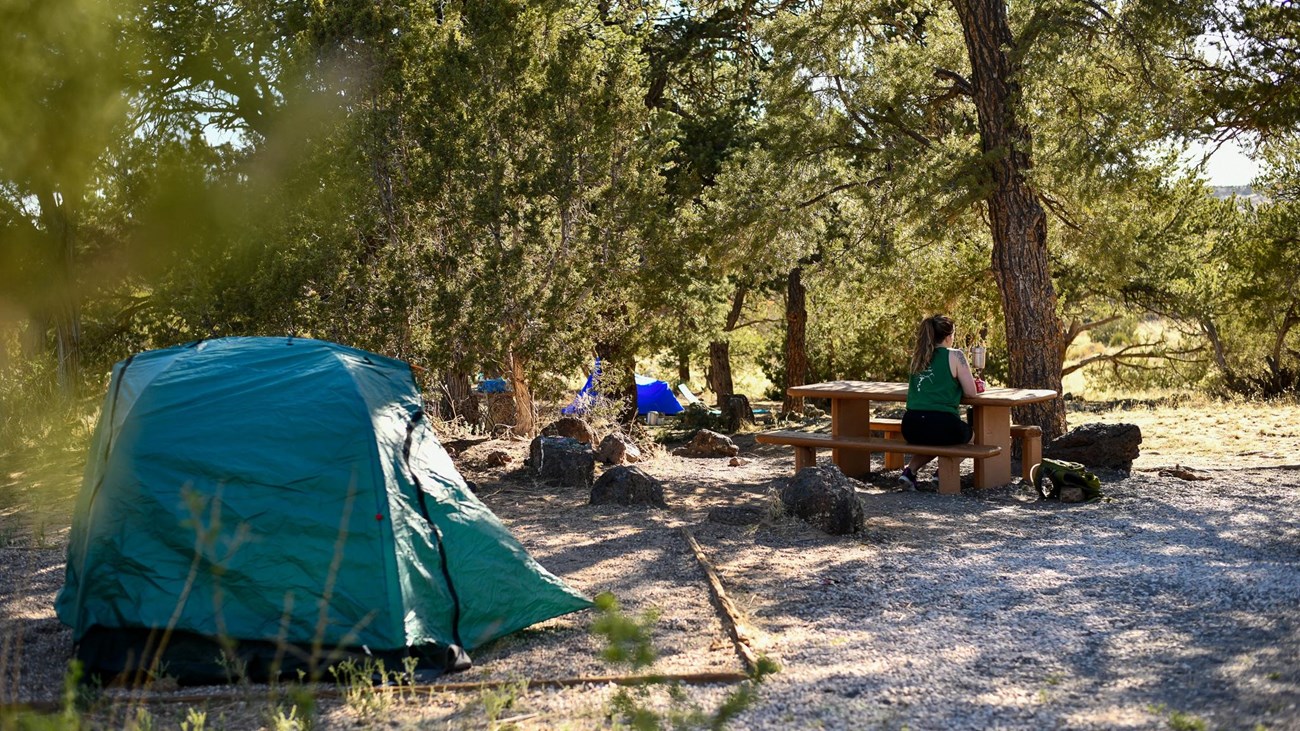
[(940, 376)]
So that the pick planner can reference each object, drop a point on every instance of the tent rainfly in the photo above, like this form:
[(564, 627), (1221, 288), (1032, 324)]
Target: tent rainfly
[(651, 395), (252, 507)]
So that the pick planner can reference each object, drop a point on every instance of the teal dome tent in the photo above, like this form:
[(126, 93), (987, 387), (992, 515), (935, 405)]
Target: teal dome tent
[(274, 504)]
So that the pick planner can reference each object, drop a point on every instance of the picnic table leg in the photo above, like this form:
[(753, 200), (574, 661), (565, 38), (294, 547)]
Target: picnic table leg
[(894, 460), (851, 418), (993, 426)]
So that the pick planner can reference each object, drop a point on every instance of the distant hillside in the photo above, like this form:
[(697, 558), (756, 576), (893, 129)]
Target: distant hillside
[(1244, 192)]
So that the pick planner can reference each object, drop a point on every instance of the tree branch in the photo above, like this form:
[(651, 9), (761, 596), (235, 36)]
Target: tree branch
[(960, 84), (1123, 357), (737, 304), (1078, 328)]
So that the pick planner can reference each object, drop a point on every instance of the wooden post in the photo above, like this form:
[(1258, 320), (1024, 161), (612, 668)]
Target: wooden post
[(950, 475), (993, 426), (851, 418)]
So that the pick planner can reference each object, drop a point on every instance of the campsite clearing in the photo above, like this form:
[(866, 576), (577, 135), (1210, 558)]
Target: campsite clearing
[(1173, 599)]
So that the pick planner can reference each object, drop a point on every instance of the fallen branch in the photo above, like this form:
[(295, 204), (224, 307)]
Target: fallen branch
[(726, 609)]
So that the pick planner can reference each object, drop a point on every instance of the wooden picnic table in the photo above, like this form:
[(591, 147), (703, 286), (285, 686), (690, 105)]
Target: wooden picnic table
[(991, 421)]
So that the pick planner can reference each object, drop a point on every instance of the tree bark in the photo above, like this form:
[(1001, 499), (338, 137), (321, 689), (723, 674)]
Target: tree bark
[(522, 394), (67, 307), (683, 366), (720, 371), (1035, 335), (618, 378), (720, 381), (796, 338), (459, 398), (34, 338)]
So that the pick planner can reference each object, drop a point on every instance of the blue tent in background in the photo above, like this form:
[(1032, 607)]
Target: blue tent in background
[(651, 395)]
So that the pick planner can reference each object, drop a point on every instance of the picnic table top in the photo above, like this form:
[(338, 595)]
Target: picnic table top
[(891, 391)]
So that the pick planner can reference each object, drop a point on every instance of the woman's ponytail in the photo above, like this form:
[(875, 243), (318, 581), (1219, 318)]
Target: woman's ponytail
[(933, 330)]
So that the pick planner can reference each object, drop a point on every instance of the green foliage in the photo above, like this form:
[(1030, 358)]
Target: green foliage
[(367, 700), (628, 639), (501, 698), (195, 720), (629, 642), (476, 186)]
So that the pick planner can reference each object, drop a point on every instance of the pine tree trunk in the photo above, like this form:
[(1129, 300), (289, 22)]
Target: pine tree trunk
[(796, 338), (683, 366), (67, 310), (720, 371), (618, 378), (459, 398), (1035, 336), (34, 340), (522, 395)]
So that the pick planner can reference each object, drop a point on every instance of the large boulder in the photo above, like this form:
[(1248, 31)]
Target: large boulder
[(628, 486), (707, 443), (571, 427), (562, 461), (824, 497), (617, 448), (1104, 446)]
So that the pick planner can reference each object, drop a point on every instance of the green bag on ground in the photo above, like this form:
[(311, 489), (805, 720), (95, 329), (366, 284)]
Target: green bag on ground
[(1053, 474)]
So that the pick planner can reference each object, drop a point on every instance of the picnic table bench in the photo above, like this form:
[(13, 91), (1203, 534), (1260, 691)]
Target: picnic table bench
[(806, 444), (852, 426), (1029, 436)]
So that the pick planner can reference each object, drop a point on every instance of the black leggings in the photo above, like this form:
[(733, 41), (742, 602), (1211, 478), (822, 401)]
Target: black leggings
[(935, 428)]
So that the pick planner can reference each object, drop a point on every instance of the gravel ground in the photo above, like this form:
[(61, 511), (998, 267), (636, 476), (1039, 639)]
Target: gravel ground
[(1170, 604)]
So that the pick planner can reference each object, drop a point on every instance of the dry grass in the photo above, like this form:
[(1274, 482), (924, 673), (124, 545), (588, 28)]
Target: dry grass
[(1208, 433)]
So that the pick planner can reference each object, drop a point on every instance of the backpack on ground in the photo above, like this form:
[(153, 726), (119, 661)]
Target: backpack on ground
[(1053, 474)]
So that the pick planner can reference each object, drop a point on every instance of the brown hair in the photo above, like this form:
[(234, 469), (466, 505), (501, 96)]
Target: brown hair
[(933, 330)]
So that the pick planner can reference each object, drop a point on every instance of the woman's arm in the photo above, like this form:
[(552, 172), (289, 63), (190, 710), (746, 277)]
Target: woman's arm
[(961, 371)]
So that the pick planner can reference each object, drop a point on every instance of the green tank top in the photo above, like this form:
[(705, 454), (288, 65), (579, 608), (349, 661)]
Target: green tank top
[(934, 389)]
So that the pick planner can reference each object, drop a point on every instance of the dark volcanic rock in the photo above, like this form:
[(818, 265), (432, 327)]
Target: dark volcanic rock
[(824, 497), (1106, 446), (628, 486), (707, 443), (571, 427), (563, 461)]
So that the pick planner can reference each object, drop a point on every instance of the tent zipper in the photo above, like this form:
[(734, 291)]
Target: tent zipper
[(437, 533)]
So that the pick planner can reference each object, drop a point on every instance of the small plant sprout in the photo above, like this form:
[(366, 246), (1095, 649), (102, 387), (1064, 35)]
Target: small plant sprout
[(628, 638), (195, 720)]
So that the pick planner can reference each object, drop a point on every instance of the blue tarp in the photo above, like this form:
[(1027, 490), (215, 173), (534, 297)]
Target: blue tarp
[(651, 395), (492, 385)]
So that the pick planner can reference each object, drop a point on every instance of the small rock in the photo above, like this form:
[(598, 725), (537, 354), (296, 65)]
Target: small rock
[(571, 427), (707, 443), (498, 458), (616, 448), (738, 462), (628, 486)]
